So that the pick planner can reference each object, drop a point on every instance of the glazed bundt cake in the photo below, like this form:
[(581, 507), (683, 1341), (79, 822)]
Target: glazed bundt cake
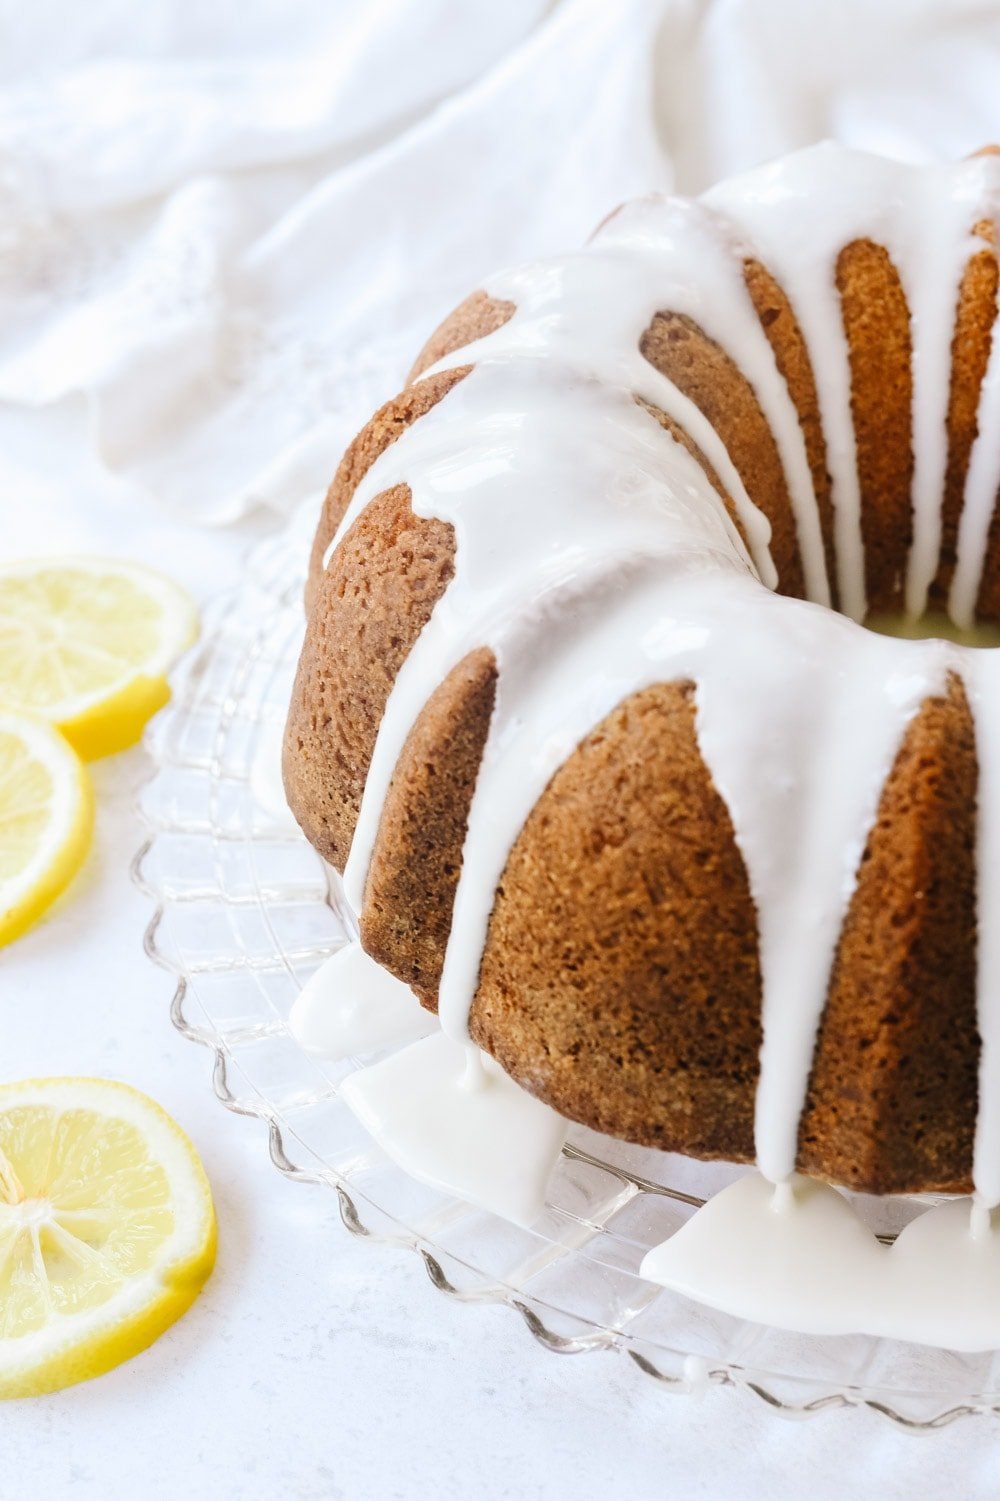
[(586, 709)]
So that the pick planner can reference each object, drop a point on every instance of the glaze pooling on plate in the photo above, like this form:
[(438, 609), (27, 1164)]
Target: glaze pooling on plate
[(351, 1006), (444, 1111), (581, 522), (450, 1116), (798, 1257)]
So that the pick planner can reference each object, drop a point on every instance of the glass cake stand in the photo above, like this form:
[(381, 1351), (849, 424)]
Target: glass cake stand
[(245, 911)]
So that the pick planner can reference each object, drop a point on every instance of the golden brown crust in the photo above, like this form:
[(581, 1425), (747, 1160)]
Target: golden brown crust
[(367, 609), (970, 351), (892, 1098), (877, 326), (372, 602), (388, 424), (620, 979), (988, 602), (473, 319), (415, 866), (792, 358), (704, 372)]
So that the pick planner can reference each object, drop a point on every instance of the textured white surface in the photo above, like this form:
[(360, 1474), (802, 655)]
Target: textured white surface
[(229, 226)]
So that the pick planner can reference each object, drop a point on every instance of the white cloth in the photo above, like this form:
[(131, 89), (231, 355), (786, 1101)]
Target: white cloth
[(230, 227)]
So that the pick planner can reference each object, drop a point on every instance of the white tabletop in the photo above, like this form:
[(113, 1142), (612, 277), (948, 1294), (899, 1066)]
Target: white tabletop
[(315, 1365)]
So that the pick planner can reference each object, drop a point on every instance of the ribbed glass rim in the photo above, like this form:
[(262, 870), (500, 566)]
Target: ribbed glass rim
[(244, 911)]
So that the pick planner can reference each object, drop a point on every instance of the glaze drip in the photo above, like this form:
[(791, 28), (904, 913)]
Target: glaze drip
[(798, 1257), (634, 573)]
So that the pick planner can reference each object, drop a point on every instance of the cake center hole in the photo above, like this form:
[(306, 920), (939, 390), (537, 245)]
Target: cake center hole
[(933, 626)]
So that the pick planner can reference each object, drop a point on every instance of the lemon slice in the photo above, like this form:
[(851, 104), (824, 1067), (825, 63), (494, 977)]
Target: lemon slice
[(46, 815), (87, 643), (107, 1229)]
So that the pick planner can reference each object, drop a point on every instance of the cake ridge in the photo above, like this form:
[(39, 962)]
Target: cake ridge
[(579, 463)]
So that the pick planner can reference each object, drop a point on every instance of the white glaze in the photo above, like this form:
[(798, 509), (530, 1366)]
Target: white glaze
[(799, 215), (594, 558), (804, 1261), (467, 1130), (982, 485), (352, 1006)]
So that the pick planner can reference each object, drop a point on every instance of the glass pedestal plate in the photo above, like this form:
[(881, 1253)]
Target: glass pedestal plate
[(245, 911)]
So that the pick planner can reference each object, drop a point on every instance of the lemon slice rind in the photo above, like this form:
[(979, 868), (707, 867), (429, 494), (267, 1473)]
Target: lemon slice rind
[(76, 1347), (65, 839), (129, 688)]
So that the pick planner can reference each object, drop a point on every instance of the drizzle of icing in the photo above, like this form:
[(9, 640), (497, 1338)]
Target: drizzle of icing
[(634, 573), (351, 1006), (805, 1261), (462, 1126), (580, 521), (445, 1113), (982, 485)]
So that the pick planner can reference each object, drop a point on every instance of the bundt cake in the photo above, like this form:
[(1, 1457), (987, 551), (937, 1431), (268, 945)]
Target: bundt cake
[(586, 708)]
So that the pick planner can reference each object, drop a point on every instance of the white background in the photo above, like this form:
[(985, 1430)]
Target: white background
[(314, 1365)]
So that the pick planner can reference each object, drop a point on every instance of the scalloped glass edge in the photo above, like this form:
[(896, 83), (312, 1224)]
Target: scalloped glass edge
[(222, 876)]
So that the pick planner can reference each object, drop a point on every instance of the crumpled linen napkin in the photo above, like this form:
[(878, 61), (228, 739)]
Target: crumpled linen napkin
[(230, 227)]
